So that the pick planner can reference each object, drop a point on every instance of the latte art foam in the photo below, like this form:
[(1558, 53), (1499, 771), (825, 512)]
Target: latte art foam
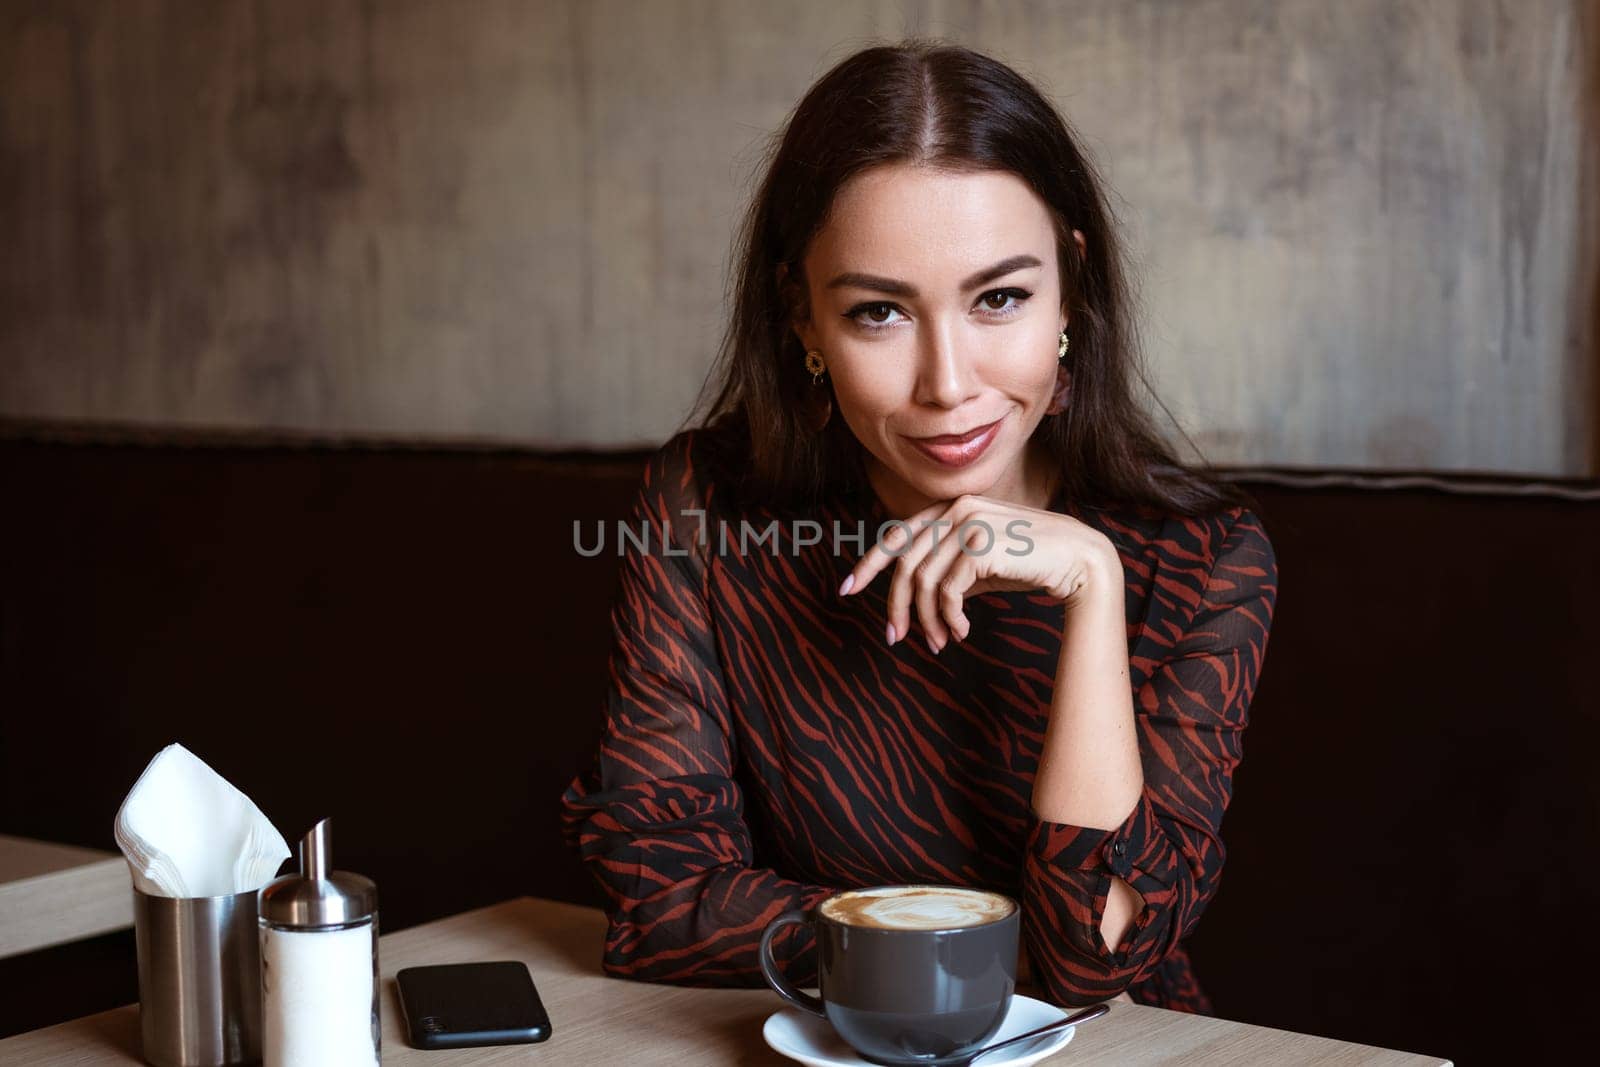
[(917, 908)]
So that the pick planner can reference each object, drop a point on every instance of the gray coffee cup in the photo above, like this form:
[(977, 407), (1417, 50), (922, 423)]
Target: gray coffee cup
[(199, 979), (902, 995)]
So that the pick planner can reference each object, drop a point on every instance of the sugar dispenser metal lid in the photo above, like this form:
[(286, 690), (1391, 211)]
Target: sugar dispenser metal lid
[(318, 896)]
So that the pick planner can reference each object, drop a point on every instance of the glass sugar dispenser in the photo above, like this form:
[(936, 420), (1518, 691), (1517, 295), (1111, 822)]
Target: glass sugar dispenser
[(319, 963)]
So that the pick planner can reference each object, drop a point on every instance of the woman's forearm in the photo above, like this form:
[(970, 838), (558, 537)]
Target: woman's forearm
[(1089, 771)]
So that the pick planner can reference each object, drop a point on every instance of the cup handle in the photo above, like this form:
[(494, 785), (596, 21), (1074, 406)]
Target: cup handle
[(774, 977)]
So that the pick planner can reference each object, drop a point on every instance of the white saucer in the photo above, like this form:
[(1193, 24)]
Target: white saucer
[(802, 1036)]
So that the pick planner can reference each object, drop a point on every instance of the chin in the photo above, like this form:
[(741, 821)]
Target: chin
[(977, 480)]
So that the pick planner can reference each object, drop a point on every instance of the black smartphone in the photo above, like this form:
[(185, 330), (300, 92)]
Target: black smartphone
[(464, 1005)]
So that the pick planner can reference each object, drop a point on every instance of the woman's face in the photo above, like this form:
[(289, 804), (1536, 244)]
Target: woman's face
[(935, 300)]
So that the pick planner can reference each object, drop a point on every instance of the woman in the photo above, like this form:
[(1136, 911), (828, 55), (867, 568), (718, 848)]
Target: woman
[(930, 328)]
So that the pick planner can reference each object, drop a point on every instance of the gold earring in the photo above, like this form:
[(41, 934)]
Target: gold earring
[(816, 366), (1066, 343)]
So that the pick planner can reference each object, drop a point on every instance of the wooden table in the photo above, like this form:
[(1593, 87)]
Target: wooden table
[(604, 1020), (50, 894)]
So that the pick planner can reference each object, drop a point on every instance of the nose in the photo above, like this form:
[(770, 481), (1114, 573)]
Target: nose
[(945, 377)]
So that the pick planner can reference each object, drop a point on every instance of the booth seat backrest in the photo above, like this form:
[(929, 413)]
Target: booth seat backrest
[(407, 641)]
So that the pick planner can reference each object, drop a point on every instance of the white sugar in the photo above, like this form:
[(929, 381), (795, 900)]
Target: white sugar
[(317, 998)]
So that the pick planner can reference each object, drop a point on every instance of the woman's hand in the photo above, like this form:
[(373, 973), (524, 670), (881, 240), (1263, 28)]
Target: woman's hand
[(975, 545)]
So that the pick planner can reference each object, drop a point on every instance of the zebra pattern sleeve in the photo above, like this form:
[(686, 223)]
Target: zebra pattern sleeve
[(1192, 691), (658, 818)]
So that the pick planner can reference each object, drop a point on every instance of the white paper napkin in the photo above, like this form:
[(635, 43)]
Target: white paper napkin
[(187, 832)]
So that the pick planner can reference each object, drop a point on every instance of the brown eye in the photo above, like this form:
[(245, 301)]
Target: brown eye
[(1004, 301), (873, 316)]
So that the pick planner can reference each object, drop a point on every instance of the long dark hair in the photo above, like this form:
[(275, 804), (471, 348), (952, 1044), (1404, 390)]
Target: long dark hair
[(939, 105)]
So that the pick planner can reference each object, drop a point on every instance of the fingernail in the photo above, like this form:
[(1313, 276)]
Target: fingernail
[(848, 584), (890, 633), (933, 646)]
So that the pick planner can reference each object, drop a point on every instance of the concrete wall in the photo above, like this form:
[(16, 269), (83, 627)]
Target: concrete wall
[(1359, 225)]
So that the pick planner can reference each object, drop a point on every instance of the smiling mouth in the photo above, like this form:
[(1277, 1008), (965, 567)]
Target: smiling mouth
[(955, 451), (958, 438)]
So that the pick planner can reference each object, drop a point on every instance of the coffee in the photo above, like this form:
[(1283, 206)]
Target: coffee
[(917, 907), (920, 975)]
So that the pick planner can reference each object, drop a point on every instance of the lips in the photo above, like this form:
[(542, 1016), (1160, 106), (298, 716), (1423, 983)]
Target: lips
[(958, 450), (957, 438)]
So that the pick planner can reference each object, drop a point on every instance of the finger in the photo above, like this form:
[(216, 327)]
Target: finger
[(933, 574), (901, 588), (925, 592), (959, 582), (885, 550)]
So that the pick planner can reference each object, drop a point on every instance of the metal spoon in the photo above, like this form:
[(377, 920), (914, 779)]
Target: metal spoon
[(1092, 1012)]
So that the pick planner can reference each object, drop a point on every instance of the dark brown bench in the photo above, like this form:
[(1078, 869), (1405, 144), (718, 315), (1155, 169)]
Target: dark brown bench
[(407, 641)]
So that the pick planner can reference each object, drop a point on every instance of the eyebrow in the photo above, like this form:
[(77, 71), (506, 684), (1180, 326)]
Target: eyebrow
[(853, 279)]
